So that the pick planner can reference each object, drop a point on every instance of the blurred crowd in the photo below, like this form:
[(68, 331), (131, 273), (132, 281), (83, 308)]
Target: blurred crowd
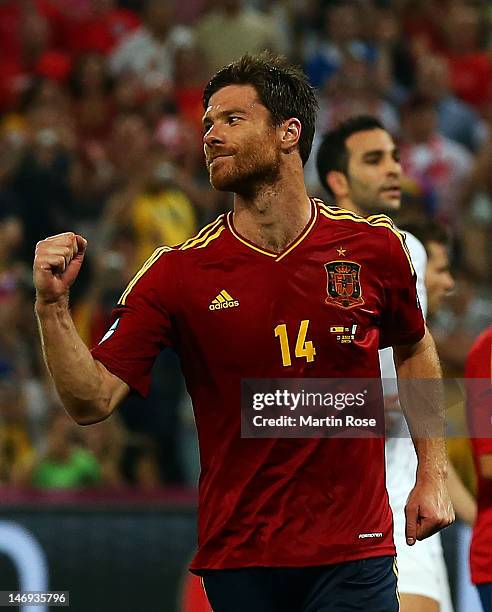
[(100, 133)]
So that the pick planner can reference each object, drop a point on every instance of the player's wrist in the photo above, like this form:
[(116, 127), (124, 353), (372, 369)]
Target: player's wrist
[(434, 474), (43, 306)]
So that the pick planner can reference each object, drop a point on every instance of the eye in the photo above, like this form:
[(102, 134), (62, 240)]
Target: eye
[(373, 159), (233, 119)]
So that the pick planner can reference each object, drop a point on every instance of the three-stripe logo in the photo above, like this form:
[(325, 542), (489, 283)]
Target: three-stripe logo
[(223, 300)]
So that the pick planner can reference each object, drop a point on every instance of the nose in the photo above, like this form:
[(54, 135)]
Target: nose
[(393, 167), (213, 136), (449, 283)]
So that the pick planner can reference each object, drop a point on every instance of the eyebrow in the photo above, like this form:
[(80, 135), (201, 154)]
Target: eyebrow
[(225, 113), (380, 152)]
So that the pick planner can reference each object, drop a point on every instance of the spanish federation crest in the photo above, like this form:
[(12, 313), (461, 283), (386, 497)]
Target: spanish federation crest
[(343, 284)]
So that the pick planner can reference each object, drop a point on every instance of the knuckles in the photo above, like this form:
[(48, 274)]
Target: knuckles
[(64, 246)]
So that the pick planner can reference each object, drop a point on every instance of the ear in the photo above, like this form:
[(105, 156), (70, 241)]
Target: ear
[(338, 183), (290, 134)]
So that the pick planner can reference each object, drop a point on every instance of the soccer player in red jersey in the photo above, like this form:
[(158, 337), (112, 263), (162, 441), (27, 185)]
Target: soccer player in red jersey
[(285, 525), (478, 372)]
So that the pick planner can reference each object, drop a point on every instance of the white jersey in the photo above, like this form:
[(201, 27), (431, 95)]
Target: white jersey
[(422, 570), (401, 460)]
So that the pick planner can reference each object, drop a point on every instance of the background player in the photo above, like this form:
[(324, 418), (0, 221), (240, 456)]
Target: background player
[(478, 374), (287, 525), (358, 164)]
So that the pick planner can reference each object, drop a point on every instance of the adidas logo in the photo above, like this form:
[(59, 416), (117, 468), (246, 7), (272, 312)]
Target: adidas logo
[(223, 300)]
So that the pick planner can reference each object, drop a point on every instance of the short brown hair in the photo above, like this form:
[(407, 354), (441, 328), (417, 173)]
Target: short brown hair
[(333, 153), (282, 88)]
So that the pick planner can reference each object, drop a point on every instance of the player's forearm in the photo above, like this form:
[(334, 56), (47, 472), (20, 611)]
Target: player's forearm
[(422, 401), (76, 374)]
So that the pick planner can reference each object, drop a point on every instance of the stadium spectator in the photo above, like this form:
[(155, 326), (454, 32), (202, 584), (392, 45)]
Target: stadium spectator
[(395, 63), (154, 207), (41, 179), (437, 164), (466, 312), (148, 52), (11, 230), (16, 449), (27, 38), (91, 85), (470, 66), (340, 37), (229, 29), (107, 442), (476, 215), (190, 79), (126, 150), (456, 120), (97, 29), (64, 464), (354, 90), (422, 22)]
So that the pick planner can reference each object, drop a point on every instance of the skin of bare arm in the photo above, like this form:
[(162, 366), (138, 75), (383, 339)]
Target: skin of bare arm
[(89, 392), (428, 507), (464, 503), (486, 466)]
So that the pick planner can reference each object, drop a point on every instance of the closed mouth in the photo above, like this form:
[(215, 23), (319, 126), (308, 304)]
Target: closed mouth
[(392, 190)]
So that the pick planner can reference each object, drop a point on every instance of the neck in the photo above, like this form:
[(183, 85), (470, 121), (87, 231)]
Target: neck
[(348, 204), (274, 215)]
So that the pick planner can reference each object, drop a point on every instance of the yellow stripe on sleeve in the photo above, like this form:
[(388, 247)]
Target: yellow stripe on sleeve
[(148, 264), (377, 221), (203, 234), (202, 245)]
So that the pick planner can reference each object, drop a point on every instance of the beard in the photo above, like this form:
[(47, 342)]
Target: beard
[(375, 204), (379, 206), (246, 172)]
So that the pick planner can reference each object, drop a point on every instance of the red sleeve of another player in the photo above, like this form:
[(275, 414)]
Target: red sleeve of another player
[(478, 375), (141, 325), (402, 320)]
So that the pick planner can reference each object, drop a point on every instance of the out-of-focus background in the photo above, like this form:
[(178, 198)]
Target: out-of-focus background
[(100, 108)]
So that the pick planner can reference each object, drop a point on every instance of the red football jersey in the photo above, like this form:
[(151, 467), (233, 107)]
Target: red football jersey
[(479, 406), (219, 300)]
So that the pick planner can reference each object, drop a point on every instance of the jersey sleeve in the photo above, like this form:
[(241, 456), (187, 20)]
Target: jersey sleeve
[(478, 377), (402, 321), (140, 324), (419, 260)]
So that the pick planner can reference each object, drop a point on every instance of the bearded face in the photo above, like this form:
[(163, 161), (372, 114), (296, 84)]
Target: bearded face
[(251, 165), (241, 147)]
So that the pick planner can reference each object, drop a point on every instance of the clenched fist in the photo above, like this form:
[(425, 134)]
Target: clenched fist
[(428, 509), (56, 265)]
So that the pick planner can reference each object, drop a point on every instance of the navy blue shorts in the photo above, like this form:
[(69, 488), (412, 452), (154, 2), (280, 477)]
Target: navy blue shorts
[(485, 592), (368, 585)]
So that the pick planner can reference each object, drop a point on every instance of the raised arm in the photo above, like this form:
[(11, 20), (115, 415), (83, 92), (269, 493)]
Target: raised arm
[(428, 508), (89, 392)]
